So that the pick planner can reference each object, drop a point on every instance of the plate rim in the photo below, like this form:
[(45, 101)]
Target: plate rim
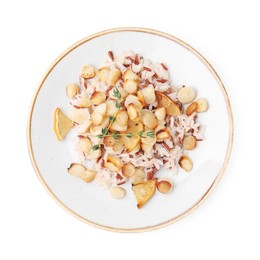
[(214, 183)]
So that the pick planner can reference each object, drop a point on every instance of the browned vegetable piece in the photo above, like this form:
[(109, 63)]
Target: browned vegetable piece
[(186, 95), (191, 108), (189, 142), (164, 186), (76, 169), (98, 98), (163, 134), (172, 108), (128, 170), (186, 163), (202, 105), (88, 175)]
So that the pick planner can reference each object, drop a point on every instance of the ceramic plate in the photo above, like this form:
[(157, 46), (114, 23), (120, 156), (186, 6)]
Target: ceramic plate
[(89, 202)]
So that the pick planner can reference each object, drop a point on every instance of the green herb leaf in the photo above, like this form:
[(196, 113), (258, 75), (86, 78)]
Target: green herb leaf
[(112, 119), (100, 136), (141, 134), (116, 135), (116, 93), (104, 131), (96, 147), (129, 135), (117, 104), (150, 134)]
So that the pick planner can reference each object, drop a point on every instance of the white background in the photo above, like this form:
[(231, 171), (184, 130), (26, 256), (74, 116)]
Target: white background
[(33, 34)]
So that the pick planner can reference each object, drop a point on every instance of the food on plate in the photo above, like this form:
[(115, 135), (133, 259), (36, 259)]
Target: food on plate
[(173, 108), (186, 163), (143, 191), (202, 105), (72, 90), (164, 186), (62, 124), (129, 122), (189, 142), (117, 192), (186, 95), (88, 175), (76, 169), (191, 108), (88, 72)]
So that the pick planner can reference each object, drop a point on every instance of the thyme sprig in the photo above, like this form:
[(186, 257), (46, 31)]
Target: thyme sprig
[(116, 135), (112, 119)]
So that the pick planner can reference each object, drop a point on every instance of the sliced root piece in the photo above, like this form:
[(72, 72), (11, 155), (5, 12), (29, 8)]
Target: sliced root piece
[(202, 105), (88, 175), (164, 186), (72, 90), (186, 95), (98, 98), (186, 163), (128, 170), (117, 192), (191, 108), (76, 169), (138, 176), (87, 72), (172, 108), (189, 142)]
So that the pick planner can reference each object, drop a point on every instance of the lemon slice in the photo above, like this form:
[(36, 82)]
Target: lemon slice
[(143, 191), (62, 124)]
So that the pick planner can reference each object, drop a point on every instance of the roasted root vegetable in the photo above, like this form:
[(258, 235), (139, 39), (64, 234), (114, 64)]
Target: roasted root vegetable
[(189, 142), (164, 186), (185, 163), (128, 170), (88, 175), (72, 90), (117, 192), (87, 72), (76, 169), (130, 75), (138, 176), (172, 108), (202, 105), (186, 95), (113, 163), (191, 108), (98, 98)]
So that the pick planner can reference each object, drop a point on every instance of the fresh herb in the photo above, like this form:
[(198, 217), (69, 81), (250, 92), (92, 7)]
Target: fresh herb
[(150, 134), (117, 104), (116, 135), (104, 131), (141, 134), (96, 147), (112, 119), (116, 93)]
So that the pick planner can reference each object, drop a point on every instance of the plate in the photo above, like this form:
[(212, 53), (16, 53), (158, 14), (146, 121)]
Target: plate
[(88, 202)]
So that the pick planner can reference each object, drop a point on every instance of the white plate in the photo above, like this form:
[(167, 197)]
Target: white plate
[(89, 202)]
